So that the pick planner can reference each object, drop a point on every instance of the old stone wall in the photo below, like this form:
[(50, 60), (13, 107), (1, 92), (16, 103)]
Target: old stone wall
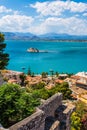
[(51, 115), (34, 122), (51, 104)]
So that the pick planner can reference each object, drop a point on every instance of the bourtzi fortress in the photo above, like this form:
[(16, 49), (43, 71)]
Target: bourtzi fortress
[(52, 114)]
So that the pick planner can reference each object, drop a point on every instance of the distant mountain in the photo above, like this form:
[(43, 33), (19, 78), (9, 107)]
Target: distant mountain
[(24, 34), (19, 36), (56, 36), (53, 36), (48, 36)]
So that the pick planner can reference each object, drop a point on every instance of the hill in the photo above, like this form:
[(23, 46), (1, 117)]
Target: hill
[(47, 36)]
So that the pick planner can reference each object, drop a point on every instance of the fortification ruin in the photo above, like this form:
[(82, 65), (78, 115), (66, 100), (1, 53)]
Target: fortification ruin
[(52, 114)]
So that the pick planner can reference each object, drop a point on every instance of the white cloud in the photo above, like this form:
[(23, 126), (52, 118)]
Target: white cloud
[(56, 8), (78, 7), (85, 14), (15, 23), (53, 22), (70, 25), (3, 9)]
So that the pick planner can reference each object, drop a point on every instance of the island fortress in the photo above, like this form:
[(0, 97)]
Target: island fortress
[(32, 50), (52, 114), (36, 50)]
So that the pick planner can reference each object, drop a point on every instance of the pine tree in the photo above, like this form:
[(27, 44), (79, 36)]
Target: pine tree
[(29, 71), (4, 57)]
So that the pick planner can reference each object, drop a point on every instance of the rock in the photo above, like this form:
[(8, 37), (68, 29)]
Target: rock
[(33, 50)]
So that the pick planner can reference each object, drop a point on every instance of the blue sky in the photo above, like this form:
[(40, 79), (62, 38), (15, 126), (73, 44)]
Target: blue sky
[(44, 16)]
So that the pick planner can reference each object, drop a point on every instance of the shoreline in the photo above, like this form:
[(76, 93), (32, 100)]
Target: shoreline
[(46, 40)]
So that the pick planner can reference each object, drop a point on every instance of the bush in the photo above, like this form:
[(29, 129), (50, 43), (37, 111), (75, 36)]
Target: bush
[(75, 121), (79, 117), (40, 85), (15, 104)]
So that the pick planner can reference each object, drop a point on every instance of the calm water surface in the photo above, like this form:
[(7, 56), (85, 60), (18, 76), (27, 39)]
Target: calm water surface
[(68, 57)]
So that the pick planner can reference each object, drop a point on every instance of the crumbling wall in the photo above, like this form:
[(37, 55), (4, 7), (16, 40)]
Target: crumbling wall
[(46, 118), (51, 104)]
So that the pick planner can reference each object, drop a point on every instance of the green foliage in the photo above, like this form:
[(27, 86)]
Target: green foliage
[(23, 77), (69, 74), (75, 122), (81, 110), (64, 89), (29, 71), (57, 74), (15, 104), (79, 117), (40, 85), (44, 74), (45, 94), (4, 57), (80, 107)]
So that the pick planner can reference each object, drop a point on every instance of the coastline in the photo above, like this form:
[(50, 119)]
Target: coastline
[(46, 40)]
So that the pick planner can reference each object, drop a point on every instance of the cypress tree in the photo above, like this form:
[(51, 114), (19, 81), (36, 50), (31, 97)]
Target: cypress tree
[(4, 57)]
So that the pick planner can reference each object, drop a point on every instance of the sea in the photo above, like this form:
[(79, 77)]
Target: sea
[(62, 57)]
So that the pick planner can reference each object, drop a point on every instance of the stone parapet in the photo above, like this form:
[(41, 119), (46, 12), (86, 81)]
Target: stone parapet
[(32, 122), (51, 104)]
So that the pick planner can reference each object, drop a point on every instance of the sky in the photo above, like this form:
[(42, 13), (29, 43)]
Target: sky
[(44, 16)]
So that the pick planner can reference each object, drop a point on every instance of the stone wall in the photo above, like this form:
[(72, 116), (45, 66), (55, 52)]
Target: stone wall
[(51, 104), (34, 122), (49, 116), (63, 113)]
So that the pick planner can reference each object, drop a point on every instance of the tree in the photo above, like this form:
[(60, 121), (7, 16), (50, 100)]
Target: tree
[(38, 86), (22, 77), (57, 74), (75, 121), (15, 104), (52, 73), (4, 57), (79, 117), (44, 74), (64, 89), (29, 71)]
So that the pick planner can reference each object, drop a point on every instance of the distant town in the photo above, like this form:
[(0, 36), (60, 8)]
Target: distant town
[(77, 83)]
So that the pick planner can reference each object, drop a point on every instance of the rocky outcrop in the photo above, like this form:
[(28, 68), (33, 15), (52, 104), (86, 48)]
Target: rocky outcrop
[(36, 50), (33, 50)]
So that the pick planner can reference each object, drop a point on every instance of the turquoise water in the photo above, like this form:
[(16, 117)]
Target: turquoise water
[(68, 57)]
